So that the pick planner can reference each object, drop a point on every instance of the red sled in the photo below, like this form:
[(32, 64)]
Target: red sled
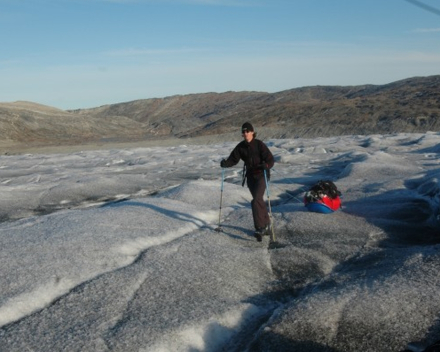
[(323, 197), (324, 205)]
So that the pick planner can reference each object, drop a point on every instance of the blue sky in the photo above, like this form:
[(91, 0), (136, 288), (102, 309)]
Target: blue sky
[(85, 53)]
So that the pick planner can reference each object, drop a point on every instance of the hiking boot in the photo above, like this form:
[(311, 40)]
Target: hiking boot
[(264, 231), (258, 236), (267, 230)]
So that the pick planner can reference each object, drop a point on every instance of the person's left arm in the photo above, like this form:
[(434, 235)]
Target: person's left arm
[(267, 160)]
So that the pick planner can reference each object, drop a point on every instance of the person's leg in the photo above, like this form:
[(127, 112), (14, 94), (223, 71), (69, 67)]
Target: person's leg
[(257, 187)]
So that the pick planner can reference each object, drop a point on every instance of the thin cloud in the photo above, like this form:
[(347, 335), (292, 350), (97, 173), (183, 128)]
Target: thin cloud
[(427, 30), (240, 3), (228, 3), (132, 52)]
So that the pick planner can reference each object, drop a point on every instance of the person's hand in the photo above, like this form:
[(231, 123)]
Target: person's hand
[(223, 163), (263, 166)]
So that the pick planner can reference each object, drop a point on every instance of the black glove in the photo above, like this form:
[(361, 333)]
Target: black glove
[(263, 166), (223, 163)]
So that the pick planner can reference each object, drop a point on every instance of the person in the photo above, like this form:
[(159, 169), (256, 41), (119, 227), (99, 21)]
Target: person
[(257, 158)]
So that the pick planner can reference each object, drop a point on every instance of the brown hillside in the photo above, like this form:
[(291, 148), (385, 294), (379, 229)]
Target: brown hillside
[(410, 105)]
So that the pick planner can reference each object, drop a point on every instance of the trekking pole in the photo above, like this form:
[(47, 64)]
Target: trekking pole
[(219, 228), (272, 232)]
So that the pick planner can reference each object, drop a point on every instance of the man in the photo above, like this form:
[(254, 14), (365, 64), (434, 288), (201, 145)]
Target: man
[(257, 159)]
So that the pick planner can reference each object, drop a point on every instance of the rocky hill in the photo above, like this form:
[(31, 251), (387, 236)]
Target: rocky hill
[(410, 105)]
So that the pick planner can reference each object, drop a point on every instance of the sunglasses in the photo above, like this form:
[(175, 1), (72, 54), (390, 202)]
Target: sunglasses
[(246, 131)]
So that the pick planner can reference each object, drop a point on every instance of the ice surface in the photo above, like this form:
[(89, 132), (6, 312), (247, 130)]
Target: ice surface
[(116, 250)]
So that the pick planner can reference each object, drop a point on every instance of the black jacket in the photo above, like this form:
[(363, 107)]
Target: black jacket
[(254, 154)]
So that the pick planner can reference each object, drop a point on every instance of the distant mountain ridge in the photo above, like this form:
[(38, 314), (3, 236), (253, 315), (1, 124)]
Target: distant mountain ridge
[(409, 105)]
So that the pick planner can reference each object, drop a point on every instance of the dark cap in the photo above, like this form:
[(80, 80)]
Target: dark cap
[(247, 127)]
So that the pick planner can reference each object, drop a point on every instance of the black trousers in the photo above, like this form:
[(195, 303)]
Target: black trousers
[(257, 186)]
